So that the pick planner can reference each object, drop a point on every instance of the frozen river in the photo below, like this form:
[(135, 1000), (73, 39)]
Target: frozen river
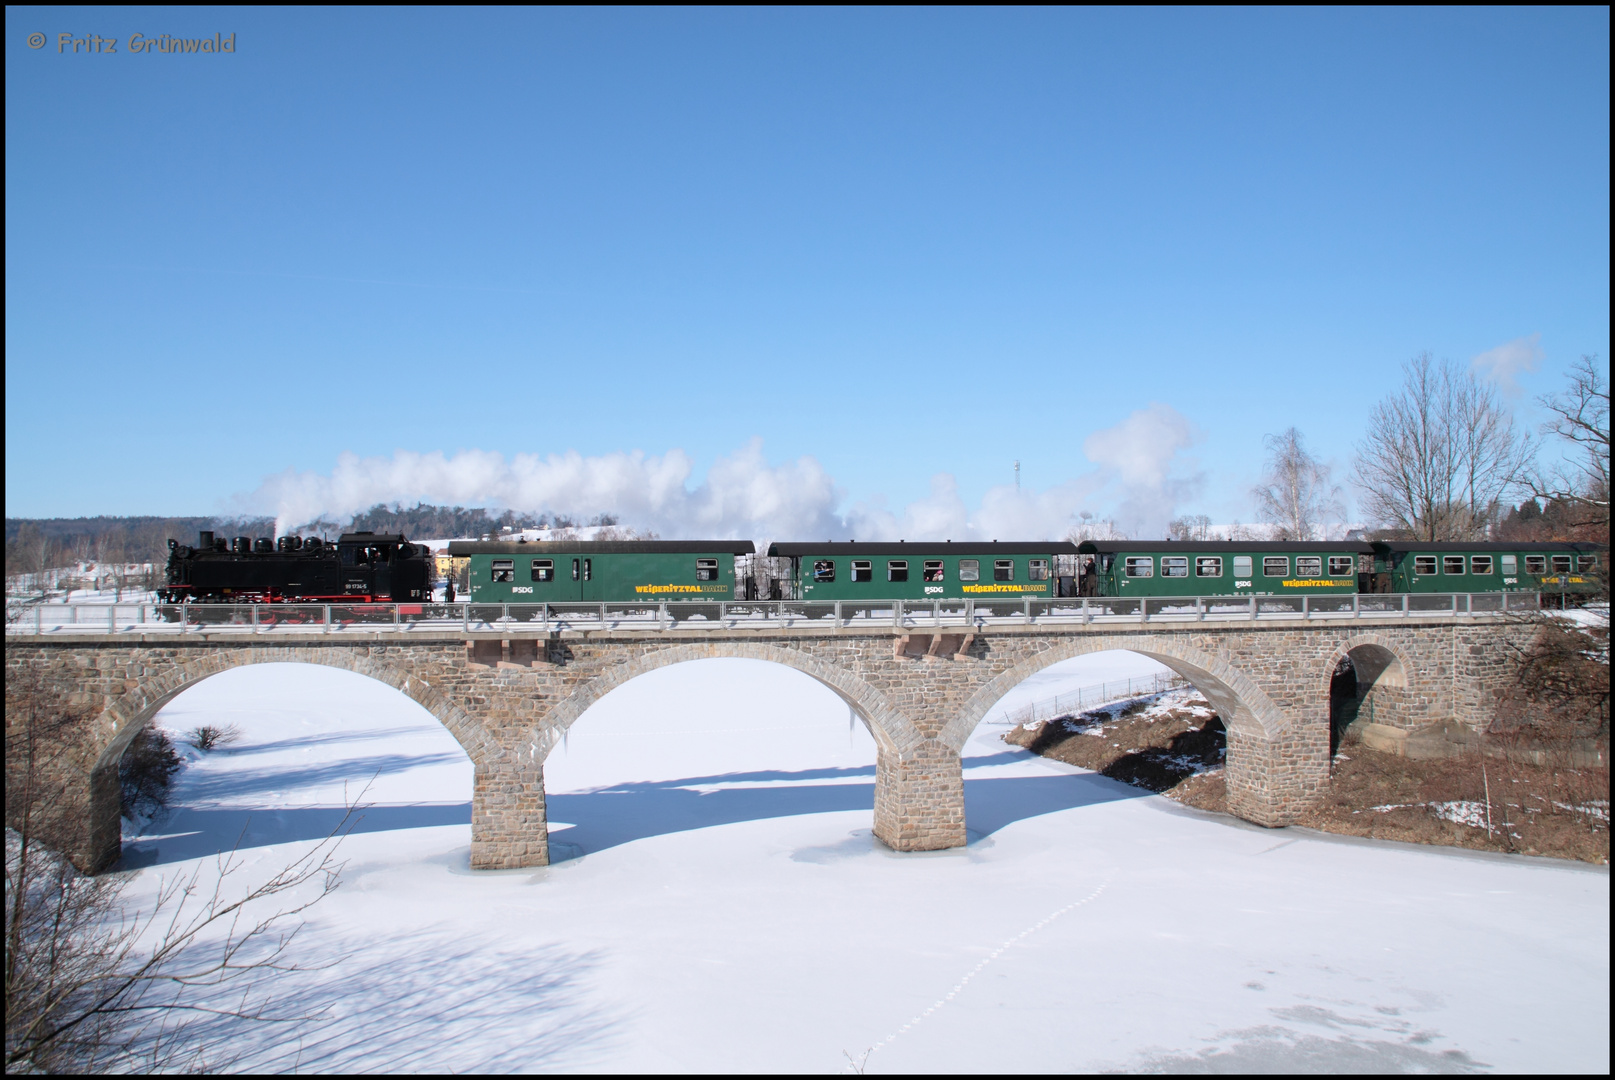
[(724, 906)]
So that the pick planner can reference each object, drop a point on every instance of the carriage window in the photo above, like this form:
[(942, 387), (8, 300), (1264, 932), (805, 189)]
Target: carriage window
[(706, 569), (933, 570), (1276, 565), (1242, 566), (1586, 564), (575, 565), (824, 570), (1037, 569), (1139, 566), (1480, 564), (1174, 566), (1424, 564), (1511, 565), (863, 570), (1209, 566), (897, 570), (588, 569), (1561, 564), (1340, 565), (504, 570), (1004, 570), (1536, 564), (543, 569), (1452, 564), (1309, 566), (969, 570)]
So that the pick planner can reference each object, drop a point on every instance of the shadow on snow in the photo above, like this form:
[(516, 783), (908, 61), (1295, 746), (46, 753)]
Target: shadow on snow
[(608, 817)]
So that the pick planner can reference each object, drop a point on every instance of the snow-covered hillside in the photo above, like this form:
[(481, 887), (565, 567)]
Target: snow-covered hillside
[(723, 905)]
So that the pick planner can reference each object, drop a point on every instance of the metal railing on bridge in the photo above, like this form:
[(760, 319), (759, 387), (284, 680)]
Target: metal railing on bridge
[(1084, 698), (470, 618)]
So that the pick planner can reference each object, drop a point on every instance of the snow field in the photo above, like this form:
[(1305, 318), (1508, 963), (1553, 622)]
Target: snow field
[(726, 907)]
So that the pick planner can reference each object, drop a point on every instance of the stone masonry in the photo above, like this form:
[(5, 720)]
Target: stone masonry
[(508, 700)]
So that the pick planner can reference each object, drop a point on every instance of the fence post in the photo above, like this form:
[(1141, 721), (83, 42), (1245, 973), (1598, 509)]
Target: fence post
[(112, 619), (1026, 611), (465, 617), (39, 618), (327, 618), (1143, 609), (1306, 606), (1253, 607), (255, 618), (1200, 609), (1087, 616), (1356, 605), (1404, 605)]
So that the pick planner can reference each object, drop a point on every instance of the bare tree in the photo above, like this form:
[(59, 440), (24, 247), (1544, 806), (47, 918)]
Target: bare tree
[(1093, 528), (113, 554), (1295, 494), (1190, 527), (1440, 454), (1580, 418), (92, 985), (35, 555)]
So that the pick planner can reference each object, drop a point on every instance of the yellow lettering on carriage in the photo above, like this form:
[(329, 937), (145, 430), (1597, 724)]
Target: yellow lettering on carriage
[(681, 588), (1003, 588)]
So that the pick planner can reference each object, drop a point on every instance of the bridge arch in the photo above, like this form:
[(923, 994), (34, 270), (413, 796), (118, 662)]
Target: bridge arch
[(893, 732), (1377, 660), (1244, 709), (127, 713)]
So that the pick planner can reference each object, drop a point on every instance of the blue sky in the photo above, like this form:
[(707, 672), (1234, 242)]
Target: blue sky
[(909, 246)]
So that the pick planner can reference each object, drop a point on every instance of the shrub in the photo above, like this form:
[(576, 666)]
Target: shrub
[(208, 736), (145, 771)]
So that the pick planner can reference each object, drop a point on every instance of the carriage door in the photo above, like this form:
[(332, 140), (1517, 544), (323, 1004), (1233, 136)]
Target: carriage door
[(587, 571)]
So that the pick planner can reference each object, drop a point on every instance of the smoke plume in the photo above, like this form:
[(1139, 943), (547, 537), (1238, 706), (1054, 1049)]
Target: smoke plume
[(743, 496)]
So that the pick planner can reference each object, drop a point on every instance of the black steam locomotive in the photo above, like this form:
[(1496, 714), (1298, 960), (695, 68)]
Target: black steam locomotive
[(360, 566)]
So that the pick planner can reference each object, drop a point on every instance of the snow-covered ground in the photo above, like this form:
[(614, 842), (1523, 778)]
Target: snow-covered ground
[(723, 905)]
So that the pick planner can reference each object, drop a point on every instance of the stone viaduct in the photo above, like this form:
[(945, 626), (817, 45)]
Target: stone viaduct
[(508, 699)]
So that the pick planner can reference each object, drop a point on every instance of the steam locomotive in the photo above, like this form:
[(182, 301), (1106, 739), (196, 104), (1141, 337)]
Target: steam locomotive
[(358, 567)]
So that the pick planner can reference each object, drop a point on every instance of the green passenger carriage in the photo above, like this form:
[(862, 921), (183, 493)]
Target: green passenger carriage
[(924, 570), (1409, 566), (613, 571), (1218, 567)]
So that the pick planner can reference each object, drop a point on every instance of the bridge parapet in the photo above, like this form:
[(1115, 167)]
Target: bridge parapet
[(528, 619)]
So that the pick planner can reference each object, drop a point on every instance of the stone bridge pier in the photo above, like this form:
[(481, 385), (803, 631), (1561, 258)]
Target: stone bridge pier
[(508, 699)]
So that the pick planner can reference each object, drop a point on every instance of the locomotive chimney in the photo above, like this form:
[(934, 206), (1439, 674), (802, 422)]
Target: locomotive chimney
[(205, 541)]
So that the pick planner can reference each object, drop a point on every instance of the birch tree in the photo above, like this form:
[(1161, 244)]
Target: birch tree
[(1295, 494)]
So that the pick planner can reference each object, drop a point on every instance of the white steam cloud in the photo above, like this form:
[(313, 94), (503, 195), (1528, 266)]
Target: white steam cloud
[(1142, 455), (1504, 364), (743, 496)]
